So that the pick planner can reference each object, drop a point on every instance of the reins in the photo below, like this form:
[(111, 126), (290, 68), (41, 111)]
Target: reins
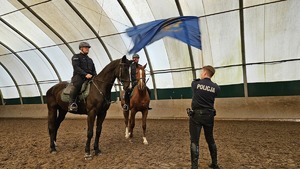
[(114, 84), (101, 93)]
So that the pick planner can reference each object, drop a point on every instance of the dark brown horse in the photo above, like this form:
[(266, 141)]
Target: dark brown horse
[(138, 102), (95, 105)]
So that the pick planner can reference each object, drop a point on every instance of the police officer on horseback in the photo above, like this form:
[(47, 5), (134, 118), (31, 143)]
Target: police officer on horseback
[(202, 115), (133, 67), (83, 69)]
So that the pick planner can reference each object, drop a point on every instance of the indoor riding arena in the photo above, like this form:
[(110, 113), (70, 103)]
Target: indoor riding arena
[(247, 136), (253, 47)]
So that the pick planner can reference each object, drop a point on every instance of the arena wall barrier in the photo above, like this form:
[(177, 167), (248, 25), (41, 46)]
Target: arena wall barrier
[(285, 108)]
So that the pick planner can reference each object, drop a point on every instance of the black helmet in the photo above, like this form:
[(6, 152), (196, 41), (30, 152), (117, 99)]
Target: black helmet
[(84, 44), (135, 56)]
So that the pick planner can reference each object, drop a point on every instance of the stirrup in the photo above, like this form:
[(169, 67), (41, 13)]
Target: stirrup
[(125, 107), (73, 107)]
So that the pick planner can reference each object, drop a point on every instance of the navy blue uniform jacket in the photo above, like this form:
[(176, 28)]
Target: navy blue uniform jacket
[(204, 93), (83, 65)]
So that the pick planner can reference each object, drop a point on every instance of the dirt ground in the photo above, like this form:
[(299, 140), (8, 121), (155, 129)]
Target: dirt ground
[(24, 143)]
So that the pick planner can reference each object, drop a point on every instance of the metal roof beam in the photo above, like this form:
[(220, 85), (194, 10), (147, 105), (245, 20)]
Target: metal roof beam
[(33, 44), (47, 25), (26, 65), (189, 47), (15, 82), (242, 33), (91, 28)]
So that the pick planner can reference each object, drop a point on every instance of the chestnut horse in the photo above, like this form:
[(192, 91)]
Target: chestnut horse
[(95, 105), (138, 102)]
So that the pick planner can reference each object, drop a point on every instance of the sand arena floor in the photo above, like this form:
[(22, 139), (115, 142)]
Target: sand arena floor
[(24, 143)]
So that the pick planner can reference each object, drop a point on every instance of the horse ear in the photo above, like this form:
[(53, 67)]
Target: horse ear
[(124, 59), (145, 66)]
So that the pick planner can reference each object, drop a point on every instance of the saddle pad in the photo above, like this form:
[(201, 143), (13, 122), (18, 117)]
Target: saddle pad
[(68, 89), (85, 90)]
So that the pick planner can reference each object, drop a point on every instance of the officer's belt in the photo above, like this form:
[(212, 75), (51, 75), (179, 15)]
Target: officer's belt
[(203, 111)]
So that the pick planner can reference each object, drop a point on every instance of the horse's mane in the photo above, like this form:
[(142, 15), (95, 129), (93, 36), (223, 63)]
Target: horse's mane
[(109, 68)]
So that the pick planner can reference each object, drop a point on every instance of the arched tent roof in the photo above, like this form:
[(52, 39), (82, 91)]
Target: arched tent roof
[(248, 41)]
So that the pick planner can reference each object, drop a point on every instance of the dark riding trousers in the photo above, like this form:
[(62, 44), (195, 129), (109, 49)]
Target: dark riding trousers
[(202, 118)]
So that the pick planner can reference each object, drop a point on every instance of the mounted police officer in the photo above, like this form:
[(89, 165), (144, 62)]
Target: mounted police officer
[(133, 67), (83, 69), (202, 115)]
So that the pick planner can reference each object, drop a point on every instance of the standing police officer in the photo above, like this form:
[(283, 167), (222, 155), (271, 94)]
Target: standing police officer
[(83, 69), (202, 115), (133, 67)]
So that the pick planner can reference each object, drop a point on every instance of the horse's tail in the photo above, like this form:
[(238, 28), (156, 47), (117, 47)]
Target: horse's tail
[(49, 92)]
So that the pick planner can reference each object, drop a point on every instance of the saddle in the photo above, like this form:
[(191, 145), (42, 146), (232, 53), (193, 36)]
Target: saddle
[(84, 92)]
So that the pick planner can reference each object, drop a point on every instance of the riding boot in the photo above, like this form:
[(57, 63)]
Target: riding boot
[(72, 101), (213, 155), (127, 100), (194, 155), (149, 92)]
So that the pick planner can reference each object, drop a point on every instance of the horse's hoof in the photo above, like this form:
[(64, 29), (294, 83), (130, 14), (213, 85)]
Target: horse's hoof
[(88, 157), (145, 141), (97, 152), (53, 152), (126, 132)]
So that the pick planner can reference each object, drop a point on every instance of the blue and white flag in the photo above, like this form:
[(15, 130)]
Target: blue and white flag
[(185, 29)]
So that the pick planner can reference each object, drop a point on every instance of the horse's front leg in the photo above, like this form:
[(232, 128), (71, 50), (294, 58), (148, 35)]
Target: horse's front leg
[(90, 123), (59, 119), (132, 122), (100, 119), (126, 119), (144, 119), (52, 129)]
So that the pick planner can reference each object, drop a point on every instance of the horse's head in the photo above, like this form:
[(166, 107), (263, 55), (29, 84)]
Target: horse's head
[(141, 77), (123, 72)]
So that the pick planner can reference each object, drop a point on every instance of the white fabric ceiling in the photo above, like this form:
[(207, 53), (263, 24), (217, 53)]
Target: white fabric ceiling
[(39, 37)]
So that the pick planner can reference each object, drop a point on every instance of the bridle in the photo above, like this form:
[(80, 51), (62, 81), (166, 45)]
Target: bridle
[(141, 79), (119, 77), (121, 71), (121, 80)]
